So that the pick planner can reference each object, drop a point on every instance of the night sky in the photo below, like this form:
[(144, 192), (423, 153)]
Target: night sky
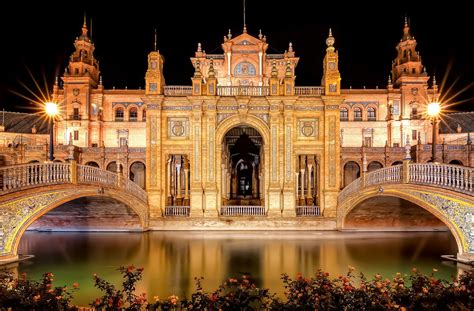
[(40, 38)]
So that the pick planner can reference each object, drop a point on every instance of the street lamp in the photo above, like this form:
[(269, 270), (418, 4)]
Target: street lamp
[(434, 109), (51, 110)]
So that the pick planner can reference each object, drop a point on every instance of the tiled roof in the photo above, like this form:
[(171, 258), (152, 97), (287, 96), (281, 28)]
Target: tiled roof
[(17, 122), (450, 121)]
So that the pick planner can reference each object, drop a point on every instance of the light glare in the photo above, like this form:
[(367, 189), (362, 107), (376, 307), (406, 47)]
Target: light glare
[(51, 108), (434, 109)]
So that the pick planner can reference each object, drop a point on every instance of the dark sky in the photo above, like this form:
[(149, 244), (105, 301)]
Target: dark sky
[(40, 37)]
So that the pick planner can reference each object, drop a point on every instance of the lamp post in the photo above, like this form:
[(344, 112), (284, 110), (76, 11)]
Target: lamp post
[(434, 109), (51, 110)]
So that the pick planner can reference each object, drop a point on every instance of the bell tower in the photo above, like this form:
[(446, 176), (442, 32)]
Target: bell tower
[(154, 79), (331, 76), (81, 77)]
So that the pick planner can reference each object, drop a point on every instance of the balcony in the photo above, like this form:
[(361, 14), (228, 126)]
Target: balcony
[(75, 117), (308, 211), (178, 90), (309, 90), (243, 90)]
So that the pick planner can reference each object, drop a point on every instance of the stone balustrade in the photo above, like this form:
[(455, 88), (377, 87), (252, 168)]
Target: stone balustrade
[(312, 211), (242, 210), (178, 90), (452, 177), (309, 90), (243, 91), (177, 211), (20, 177)]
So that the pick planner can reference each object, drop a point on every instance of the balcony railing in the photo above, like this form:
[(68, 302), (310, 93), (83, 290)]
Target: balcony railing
[(177, 211), (309, 90), (243, 91), (242, 210), (308, 211), (178, 90), (76, 117)]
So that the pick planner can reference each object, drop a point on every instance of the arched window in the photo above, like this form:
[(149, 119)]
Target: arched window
[(133, 114), (119, 114), (357, 114), (344, 114), (371, 114), (144, 115)]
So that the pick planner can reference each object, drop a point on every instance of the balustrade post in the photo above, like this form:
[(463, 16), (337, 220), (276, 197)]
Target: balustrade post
[(73, 172), (406, 171)]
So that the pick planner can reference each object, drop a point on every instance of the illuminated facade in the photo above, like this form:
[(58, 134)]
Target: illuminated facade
[(242, 139)]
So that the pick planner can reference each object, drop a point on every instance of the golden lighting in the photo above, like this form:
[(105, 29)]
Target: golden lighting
[(434, 109), (51, 108)]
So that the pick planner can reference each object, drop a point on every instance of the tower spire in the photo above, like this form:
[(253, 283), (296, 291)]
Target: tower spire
[(155, 41), (245, 23)]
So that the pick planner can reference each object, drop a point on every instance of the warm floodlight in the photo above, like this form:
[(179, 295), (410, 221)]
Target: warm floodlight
[(51, 109), (434, 109)]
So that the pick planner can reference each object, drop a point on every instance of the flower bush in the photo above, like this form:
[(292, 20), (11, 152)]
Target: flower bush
[(25, 294), (351, 291)]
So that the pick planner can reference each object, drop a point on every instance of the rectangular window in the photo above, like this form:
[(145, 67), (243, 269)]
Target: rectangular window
[(396, 145), (414, 134), (76, 135), (95, 145), (123, 141), (368, 141)]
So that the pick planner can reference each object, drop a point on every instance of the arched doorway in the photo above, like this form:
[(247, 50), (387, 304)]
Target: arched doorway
[(242, 167), (397, 163), (374, 165), (93, 164), (137, 173), (351, 172), (112, 167), (456, 162)]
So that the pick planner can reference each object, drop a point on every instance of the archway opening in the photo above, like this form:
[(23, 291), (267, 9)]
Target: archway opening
[(397, 163), (382, 212), (137, 173), (456, 162), (351, 172), (93, 164), (242, 167), (112, 167), (374, 165), (90, 213)]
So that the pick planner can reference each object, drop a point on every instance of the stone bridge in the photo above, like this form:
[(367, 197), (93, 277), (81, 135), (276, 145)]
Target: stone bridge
[(444, 190), (29, 191)]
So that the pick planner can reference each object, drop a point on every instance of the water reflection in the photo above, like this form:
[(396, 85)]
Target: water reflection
[(172, 259)]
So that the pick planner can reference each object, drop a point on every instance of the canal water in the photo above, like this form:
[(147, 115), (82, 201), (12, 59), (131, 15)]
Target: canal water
[(171, 260)]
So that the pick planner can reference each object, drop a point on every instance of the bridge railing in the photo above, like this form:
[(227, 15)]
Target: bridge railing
[(31, 175), (24, 176), (452, 177)]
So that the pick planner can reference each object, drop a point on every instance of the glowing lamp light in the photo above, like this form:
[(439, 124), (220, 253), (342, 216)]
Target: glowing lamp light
[(51, 108), (434, 109)]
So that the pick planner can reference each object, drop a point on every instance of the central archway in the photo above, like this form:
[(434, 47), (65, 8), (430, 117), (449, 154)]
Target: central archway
[(258, 131), (242, 167)]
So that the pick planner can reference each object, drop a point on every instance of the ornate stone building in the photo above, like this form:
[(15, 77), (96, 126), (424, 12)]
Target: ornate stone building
[(242, 139)]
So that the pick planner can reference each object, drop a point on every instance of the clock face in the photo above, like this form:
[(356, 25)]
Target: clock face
[(153, 65), (414, 91), (332, 65)]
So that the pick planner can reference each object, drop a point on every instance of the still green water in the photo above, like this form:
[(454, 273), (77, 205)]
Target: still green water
[(172, 259)]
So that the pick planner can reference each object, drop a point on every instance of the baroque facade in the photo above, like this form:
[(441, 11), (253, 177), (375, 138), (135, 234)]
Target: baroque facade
[(242, 139)]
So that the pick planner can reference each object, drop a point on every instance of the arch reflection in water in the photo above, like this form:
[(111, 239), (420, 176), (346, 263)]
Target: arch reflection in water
[(172, 259)]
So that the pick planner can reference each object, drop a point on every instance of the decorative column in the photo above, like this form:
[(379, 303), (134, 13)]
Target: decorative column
[(309, 195), (302, 200), (168, 180), (186, 181), (178, 178), (254, 181), (297, 179)]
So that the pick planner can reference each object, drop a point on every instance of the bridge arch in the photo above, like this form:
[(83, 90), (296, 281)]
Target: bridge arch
[(29, 191), (29, 205), (445, 191)]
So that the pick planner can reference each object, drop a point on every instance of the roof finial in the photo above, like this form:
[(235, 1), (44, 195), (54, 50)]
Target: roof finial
[(56, 81), (229, 35), (197, 69), (406, 30), (199, 49), (211, 73), (245, 23), (406, 21), (288, 72), (434, 79), (389, 79), (330, 40), (155, 41), (85, 21), (274, 69), (260, 36), (290, 47)]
